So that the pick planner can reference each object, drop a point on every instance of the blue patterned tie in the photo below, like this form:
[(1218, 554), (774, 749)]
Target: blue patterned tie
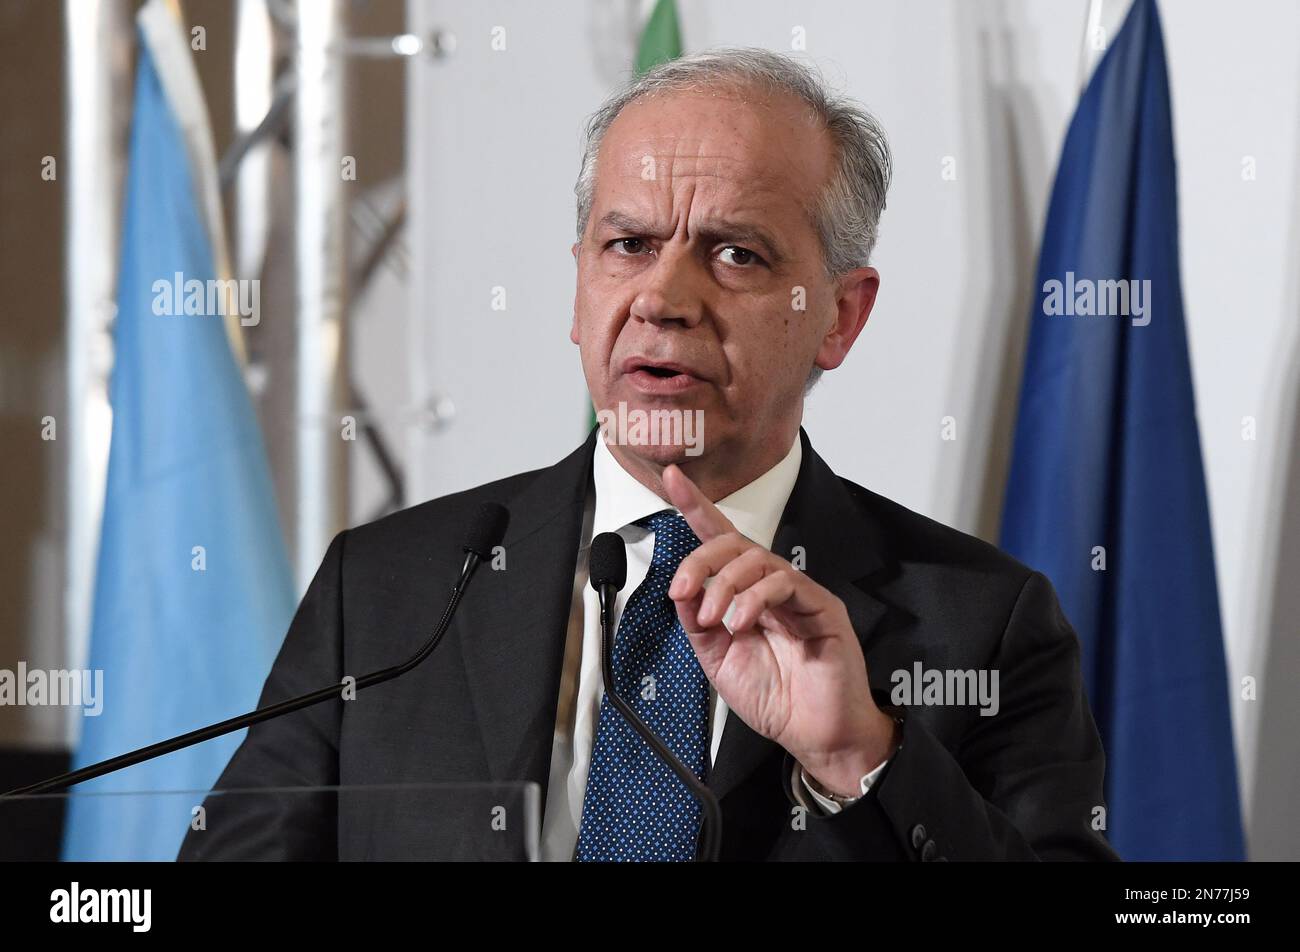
[(636, 808)]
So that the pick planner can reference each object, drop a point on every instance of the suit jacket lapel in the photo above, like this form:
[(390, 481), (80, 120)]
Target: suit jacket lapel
[(513, 641), (840, 548)]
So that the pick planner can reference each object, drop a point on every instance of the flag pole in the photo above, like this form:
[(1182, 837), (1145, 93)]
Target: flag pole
[(321, 225), (97, 80), (1089, 54)]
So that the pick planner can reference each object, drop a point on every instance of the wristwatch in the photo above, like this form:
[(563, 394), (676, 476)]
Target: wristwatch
[(835, 798)]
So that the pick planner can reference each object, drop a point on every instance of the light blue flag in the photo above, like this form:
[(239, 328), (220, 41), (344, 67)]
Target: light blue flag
[(193, 591)]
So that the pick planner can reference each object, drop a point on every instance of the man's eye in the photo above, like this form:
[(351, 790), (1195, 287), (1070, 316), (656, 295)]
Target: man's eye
[(740, 257), (628, 246)]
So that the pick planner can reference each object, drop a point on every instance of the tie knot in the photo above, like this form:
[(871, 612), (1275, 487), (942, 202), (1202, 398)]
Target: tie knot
[(674, 539)]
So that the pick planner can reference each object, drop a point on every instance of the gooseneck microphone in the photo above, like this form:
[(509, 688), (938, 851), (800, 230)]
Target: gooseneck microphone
[(486, 533), (607, 566)]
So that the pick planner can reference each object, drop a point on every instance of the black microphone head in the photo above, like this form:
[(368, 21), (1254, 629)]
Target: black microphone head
[(487, 530), (608, 561)]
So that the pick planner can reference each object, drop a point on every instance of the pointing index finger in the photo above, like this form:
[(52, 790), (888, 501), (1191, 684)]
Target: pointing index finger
[(704, 518)]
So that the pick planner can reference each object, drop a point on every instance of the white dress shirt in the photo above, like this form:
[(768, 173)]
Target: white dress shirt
[(755, 510)]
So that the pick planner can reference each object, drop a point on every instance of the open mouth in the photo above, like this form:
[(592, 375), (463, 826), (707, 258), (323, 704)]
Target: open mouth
[(665, 378), (663, 373)]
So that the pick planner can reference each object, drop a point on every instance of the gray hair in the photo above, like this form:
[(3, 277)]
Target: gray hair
[(847, 213)]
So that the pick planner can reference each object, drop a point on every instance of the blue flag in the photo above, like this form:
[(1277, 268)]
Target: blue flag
[(193, 590), (1106, 494)]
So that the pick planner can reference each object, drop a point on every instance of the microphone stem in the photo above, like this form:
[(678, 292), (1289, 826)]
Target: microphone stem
[(711, 834), (261, 714)]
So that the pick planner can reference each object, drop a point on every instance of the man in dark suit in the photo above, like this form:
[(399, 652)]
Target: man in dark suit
[(852, 680)]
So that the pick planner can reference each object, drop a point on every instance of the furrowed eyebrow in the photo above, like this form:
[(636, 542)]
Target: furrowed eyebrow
[(618, 221), (712, 233)]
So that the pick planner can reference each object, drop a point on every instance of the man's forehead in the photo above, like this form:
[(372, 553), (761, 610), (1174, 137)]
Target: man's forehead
[(648, 158), (750, 136)]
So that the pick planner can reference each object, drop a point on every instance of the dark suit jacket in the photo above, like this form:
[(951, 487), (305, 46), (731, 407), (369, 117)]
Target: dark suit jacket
[(1023, 784)]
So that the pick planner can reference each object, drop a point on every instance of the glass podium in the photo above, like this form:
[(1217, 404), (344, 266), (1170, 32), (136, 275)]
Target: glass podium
[(437, 822)]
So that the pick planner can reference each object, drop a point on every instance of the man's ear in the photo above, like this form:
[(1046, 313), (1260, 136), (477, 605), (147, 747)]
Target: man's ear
[(573, 328), (855, 297)]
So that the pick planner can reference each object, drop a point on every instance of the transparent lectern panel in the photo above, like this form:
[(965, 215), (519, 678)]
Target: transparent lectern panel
[(474, 822)]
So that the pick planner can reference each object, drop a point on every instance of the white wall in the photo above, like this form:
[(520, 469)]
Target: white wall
[(493, 154)]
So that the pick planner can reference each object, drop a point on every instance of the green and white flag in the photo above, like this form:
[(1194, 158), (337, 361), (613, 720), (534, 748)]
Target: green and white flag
[(661, 40)]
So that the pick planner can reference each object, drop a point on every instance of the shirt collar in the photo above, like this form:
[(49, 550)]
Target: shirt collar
[(754, 509)]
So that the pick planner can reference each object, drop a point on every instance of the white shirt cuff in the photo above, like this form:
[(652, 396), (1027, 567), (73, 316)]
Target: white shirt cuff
[(801, 783)]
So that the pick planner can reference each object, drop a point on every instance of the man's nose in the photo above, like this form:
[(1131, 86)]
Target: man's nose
[(671, 293)]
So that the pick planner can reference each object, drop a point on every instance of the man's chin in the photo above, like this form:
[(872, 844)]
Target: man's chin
[(654, 456), (655, 436)]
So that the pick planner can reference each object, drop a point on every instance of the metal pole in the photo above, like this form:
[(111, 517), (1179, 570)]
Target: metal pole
[(254, 52), (1094, 42), (320, 293), (98, 41)]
